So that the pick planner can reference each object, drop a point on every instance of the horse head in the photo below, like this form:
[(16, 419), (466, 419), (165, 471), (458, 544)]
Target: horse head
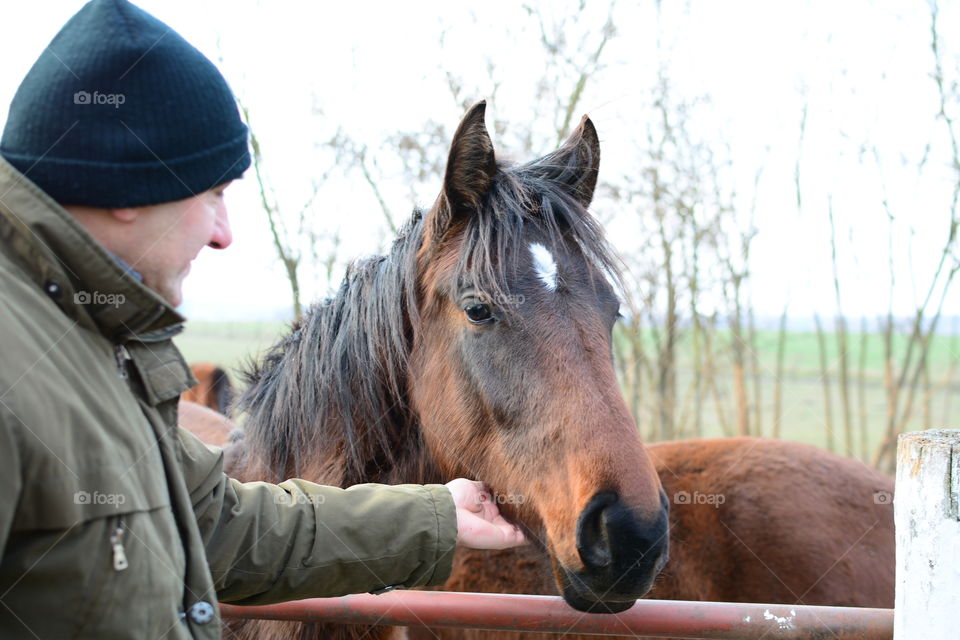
[(510, 372)]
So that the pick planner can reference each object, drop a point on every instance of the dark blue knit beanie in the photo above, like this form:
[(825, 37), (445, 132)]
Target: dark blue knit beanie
[(121, 111)]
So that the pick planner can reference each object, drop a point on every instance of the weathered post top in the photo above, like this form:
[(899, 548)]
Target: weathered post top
[(927, 516)]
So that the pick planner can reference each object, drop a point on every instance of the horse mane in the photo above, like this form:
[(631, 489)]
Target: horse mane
[(331, 397), (337, 379)]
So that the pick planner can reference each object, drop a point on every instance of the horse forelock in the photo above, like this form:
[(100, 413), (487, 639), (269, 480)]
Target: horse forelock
[(523, 203)]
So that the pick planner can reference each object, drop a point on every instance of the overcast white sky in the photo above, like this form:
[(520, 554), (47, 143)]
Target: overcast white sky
[(378, 67)]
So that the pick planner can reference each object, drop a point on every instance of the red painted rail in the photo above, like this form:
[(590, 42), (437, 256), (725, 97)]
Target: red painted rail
[(657, 618)]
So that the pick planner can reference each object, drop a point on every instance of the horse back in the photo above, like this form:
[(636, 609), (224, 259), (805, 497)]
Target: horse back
[(758, 520), (751, 520)]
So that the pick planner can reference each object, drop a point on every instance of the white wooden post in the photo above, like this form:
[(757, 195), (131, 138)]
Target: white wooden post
[(927, 516)]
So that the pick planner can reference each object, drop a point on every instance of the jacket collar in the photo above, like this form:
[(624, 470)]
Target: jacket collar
[(74, 270)]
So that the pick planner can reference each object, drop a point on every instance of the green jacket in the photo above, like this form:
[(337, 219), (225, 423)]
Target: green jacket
[(114, 523)]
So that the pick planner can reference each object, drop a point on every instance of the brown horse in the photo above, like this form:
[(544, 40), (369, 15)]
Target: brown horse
[(481, 347), (210, 426), (213, 388), (752, 520)]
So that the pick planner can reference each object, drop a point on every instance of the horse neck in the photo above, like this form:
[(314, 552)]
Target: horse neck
[(268, 453), (409, 461)]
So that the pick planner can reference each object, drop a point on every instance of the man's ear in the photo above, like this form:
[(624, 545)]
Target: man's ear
[(127, 214)]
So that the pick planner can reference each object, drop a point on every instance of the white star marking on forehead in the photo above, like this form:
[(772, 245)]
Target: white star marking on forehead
[(544, 265)]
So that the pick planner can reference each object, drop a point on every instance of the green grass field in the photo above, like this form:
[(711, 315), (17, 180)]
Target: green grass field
[(234, 344), (231, 345), (803, 404)]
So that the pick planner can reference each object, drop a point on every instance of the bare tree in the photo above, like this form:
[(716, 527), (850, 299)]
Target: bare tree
[(292, 235), (840, 326), (902, 388), (570, 66), (825, 383), (779, 374), (681, 205)]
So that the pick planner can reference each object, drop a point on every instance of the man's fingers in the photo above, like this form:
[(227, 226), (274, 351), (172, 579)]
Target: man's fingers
[(514, 535), (479, 533), (509, 535), (479, 522)]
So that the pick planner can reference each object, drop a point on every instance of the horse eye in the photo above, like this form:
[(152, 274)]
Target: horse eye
[(479, 313)]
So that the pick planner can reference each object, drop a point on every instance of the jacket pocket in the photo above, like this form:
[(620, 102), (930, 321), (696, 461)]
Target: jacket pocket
[(142, 578), (106, 559), (63, 500)]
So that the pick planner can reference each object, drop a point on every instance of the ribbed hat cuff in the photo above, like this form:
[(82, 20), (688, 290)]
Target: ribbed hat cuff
[(110, 185)]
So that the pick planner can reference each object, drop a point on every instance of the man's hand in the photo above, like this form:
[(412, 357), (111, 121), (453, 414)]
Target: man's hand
[(479, 523)]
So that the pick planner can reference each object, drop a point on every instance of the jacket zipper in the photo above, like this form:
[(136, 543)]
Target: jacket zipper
[(121, 354), (116, 543)]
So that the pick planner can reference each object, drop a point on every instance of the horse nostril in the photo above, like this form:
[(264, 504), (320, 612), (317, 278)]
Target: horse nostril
[(593, 532), (622, 549), (610, 535)]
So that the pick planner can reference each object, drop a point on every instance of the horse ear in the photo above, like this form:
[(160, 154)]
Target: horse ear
[(471, 167), (576, 164)]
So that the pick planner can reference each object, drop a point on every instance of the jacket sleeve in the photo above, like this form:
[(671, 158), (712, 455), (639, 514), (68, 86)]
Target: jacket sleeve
[(269, 543), (10, 478)]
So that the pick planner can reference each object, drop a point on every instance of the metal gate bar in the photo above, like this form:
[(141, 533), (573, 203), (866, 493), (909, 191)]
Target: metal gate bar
[(657, 618)]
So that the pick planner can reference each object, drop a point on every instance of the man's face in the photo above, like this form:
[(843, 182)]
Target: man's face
[(165, 238)]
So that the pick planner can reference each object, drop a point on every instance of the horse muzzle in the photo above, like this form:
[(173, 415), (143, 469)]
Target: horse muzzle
[(621, 553)]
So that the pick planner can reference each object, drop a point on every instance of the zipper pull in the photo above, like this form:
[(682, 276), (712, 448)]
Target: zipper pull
[(116, 541), (122, 355)]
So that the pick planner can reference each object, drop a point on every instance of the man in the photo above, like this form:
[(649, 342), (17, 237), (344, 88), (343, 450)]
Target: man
[(113, 523)]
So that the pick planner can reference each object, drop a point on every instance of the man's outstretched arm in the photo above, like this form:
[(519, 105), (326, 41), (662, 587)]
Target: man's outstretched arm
[(270, 543)]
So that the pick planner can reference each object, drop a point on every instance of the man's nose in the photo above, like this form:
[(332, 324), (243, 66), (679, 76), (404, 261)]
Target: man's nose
[(222, 236)]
